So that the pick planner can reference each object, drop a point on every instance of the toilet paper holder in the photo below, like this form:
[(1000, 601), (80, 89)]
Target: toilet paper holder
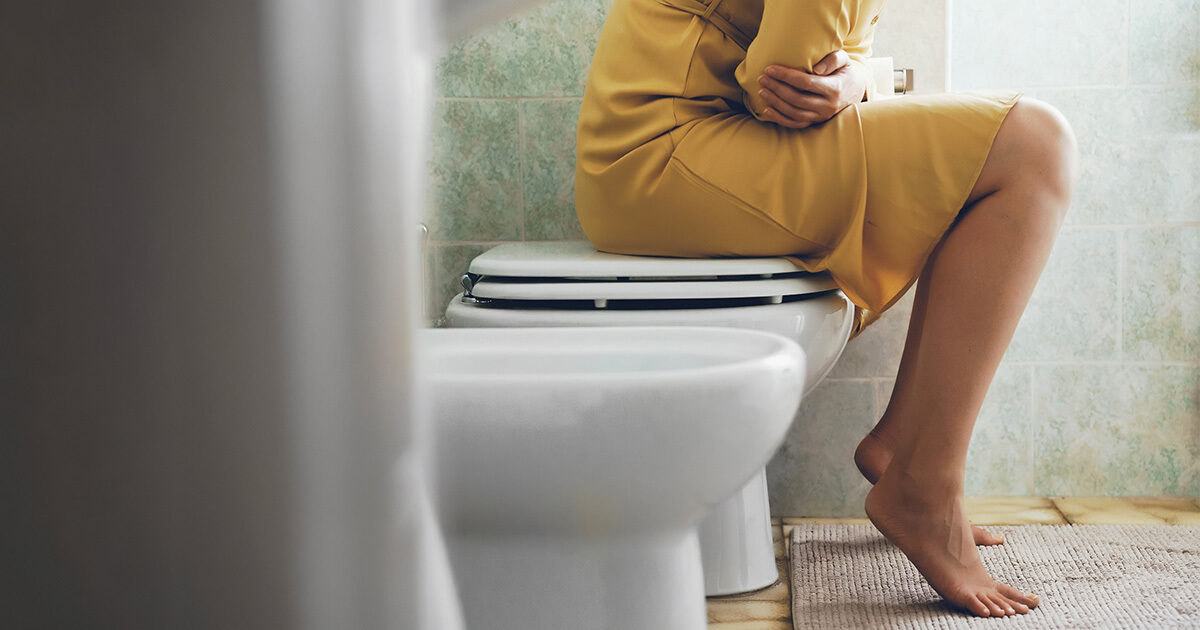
[(885, 73)]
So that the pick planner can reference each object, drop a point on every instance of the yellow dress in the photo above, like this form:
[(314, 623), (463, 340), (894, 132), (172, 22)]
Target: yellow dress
[(674, 159)]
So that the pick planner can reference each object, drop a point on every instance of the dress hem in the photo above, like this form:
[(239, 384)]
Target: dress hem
[(863, 314)]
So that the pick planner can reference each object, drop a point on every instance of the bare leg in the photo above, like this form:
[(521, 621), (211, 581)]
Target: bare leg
[(970, 298), (876, 449)]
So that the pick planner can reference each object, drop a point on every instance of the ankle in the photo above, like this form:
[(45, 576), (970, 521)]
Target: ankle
[(881, 436), (923, 483)]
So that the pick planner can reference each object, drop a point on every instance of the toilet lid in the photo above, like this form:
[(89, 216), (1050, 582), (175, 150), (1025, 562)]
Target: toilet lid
[(579, 259), (574, 270), (632, 290)]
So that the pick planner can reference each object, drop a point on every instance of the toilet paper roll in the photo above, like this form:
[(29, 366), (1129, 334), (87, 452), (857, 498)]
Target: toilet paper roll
[(882, 69)]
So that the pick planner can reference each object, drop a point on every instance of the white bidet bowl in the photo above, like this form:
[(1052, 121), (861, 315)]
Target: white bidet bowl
[(574, 464), (735, 540)]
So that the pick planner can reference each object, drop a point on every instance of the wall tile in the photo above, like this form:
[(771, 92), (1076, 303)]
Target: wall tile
[(475, 171), (541, 52), (1019, 43), (1116, 430), (1163, 36), (813, 474), (883, 395), (1139, 181), (448, 265), (1073, 313), (1162, 294), (1139, 150), (998, 458), (1194, 474), (1124, 113), (876, 352), (548, 147), (430, 311), (913, 33)]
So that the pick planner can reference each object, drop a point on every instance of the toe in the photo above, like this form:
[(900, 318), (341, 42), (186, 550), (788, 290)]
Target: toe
[(1017, 596), (984, 537), (976, 605), (1004, 603), (996, 609)]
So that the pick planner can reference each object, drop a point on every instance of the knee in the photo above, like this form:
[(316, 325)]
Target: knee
[(1051, 152)]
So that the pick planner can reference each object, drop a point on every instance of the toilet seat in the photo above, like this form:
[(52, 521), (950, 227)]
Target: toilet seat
[(573, 271)]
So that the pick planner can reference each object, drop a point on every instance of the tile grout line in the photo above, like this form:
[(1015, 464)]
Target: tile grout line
[(1075, 362), (1123, 226), (1120, 295), (787, 577), (1128, 40), (1054, 504), (875, 398), (521, 165), (1028, 87), (431, 281), (947, 43), (1031, 451)]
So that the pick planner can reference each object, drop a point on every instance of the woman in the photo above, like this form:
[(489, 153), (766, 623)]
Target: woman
[(748, 128)]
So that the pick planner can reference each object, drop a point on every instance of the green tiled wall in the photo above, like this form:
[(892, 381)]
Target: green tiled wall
[(1111, 338), (1100, 391)]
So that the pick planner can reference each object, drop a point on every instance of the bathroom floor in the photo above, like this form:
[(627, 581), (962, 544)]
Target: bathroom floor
[(770, 609)]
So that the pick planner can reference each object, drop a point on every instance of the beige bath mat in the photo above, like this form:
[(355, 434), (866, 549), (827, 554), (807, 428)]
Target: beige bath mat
[(1087, 576)]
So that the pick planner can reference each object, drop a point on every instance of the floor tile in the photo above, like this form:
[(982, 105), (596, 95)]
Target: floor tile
[(785, 624), (776, 624), (776, 592), (788, 523), (767, 609), (737, 612), (1173, 510), (854, 520), (1012, 511), (1129, 510)]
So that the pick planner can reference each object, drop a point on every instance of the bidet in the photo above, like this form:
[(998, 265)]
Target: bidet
[(575, 464)]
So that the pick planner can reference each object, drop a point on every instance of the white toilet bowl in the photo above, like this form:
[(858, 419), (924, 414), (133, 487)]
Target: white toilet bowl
[(575, 464), (569, 283)]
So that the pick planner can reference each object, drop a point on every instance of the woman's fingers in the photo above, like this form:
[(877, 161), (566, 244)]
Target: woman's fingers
[(802, 80), (831, 62), (785, 108), (781, 120), (792, 96), (798, 99)]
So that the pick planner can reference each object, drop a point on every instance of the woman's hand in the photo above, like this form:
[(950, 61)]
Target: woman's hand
[(798, 99)]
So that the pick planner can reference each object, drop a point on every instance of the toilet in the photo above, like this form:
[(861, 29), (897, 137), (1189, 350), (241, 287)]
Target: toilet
[(548, 284), (574, 465)]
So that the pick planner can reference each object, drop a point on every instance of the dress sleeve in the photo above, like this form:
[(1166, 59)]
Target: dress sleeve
[(799, 33)]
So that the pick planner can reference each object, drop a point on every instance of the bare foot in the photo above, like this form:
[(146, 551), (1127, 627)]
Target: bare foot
[(930, 526), (872, 458)]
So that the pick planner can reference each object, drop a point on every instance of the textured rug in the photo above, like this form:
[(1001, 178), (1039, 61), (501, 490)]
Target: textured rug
[(1087, 576)]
